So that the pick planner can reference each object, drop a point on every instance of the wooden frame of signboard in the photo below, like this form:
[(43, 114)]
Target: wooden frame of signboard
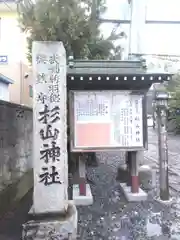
[(105, 148)]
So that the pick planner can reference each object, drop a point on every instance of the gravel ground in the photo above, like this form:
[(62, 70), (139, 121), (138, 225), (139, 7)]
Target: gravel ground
[(111, 217)]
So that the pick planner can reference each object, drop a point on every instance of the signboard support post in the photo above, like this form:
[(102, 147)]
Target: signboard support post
[(163, 154), (82, 177), (128, 163), (82, 195), (132, 191), (134, 173), (52, 215)]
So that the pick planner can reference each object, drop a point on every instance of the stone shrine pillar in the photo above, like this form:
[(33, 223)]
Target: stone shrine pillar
[(52, 216)]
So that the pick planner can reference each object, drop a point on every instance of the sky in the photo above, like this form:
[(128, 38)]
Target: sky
[(161, 39)]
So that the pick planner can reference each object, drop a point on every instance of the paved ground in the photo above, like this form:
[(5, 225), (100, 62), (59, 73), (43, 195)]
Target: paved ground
[(111, 217), (151, 157)]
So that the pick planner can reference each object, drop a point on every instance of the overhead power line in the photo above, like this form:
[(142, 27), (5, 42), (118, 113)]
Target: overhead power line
[(7, 5)]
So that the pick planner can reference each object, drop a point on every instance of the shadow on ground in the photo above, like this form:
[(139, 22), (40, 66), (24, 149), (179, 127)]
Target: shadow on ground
[(11, 222)]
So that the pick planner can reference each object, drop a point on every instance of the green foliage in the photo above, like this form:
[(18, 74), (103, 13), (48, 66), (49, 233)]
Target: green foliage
[(173, 88), (174, 83), (74, 22), (71, 21)]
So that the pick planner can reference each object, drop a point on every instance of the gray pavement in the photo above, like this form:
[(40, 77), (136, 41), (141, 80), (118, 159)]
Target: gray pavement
[(151, 157)]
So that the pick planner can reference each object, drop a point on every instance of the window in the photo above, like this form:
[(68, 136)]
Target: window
[(30, 91)]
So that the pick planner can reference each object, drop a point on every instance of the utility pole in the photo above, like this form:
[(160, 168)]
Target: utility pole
[(163, 149), (130, 29), (137, 27)]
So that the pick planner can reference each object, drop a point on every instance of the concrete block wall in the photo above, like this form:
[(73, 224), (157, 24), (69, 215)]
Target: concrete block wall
[(15, 142)]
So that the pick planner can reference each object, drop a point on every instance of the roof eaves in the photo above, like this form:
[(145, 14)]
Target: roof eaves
[(5, 79)]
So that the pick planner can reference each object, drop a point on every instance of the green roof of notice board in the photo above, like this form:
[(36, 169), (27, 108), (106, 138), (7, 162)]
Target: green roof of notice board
[(104, 67), (111, 74)]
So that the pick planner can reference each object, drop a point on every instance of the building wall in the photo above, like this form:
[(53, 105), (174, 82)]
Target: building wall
[(13, 44), (15, 142), (27, 88), (4, 91)]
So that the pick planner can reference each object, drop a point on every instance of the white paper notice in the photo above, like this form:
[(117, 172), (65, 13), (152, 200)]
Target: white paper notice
[(127, 120), (114, 115), (91, 107)]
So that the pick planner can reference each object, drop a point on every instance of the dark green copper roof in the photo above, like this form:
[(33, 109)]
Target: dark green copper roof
[(109, 74), (106, 67)]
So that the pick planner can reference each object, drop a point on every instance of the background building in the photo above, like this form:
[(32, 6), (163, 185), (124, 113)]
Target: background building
[(13, 63), (4, 87)]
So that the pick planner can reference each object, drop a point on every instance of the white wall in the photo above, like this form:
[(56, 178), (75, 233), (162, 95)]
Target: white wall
[(13, 44), (12, 41), (4, 91)]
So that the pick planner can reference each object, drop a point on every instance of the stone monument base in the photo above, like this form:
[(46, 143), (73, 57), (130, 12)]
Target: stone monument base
[(50, 227)]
